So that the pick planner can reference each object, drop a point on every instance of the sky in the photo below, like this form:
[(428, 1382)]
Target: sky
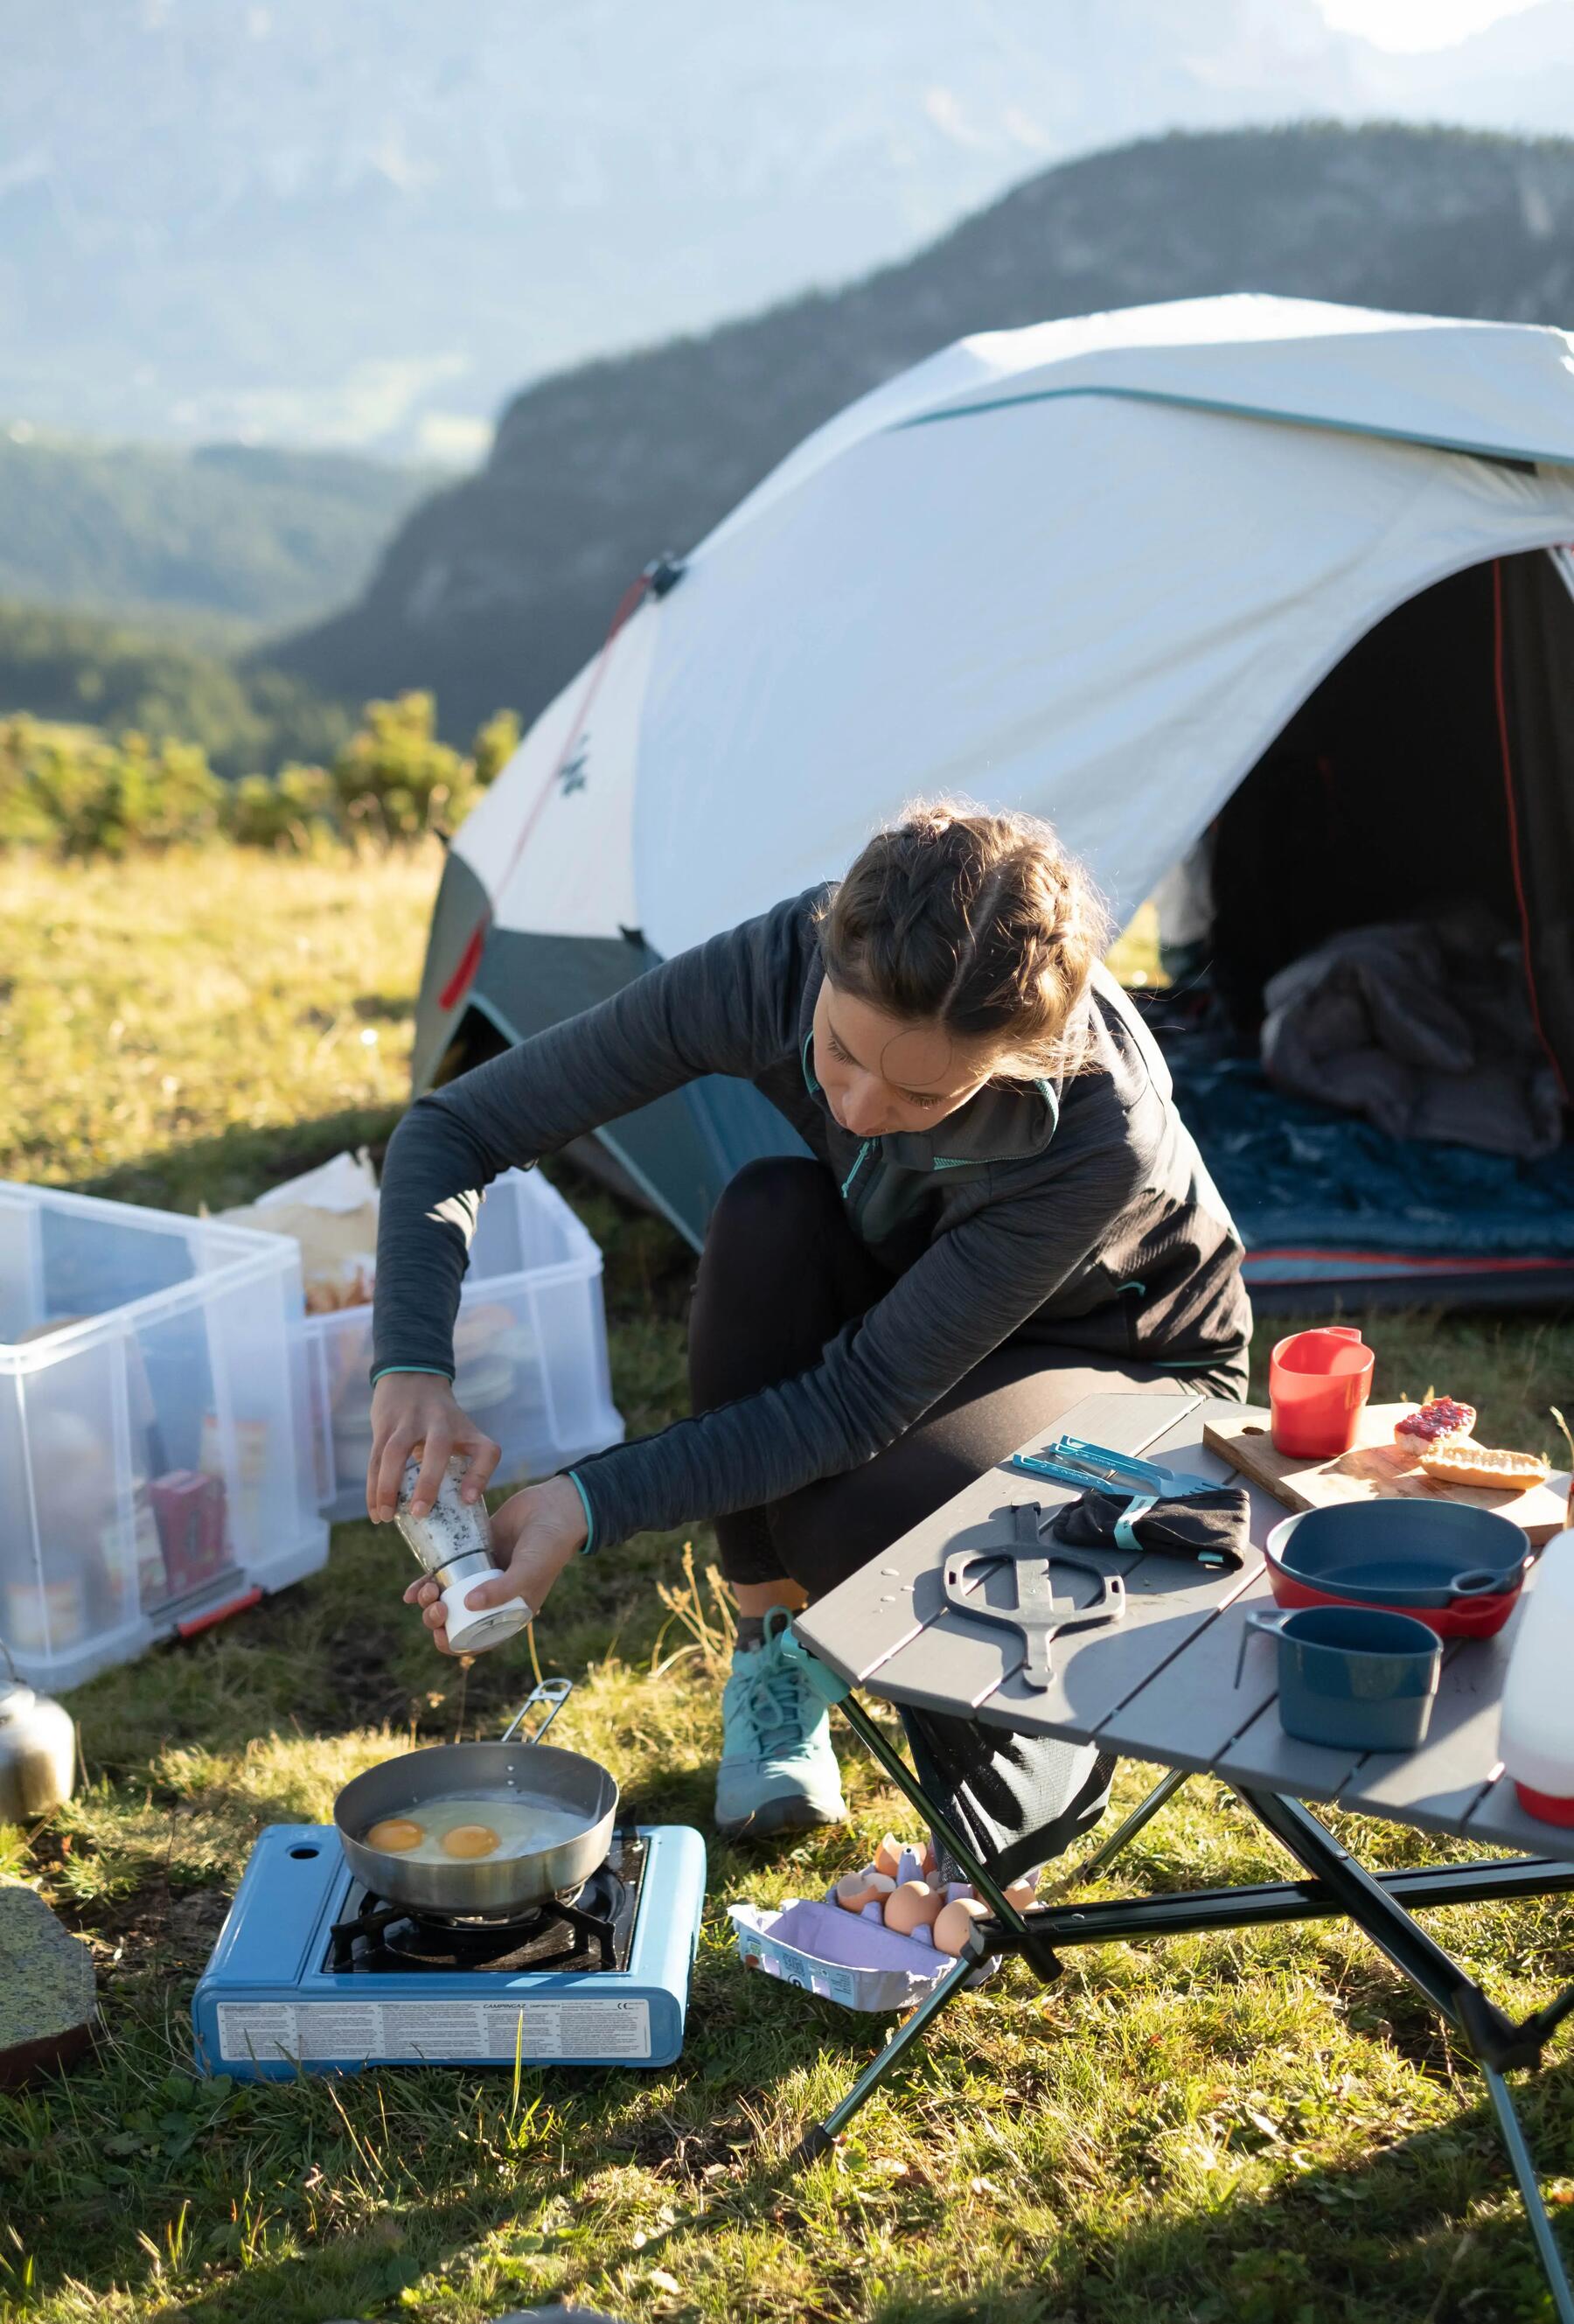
[(1418, 24)]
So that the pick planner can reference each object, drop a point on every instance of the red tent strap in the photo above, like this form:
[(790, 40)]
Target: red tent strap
[(1514, 854), (655, 578)]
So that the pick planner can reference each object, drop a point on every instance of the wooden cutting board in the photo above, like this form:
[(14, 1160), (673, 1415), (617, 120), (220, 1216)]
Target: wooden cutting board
[(1374, 1467)]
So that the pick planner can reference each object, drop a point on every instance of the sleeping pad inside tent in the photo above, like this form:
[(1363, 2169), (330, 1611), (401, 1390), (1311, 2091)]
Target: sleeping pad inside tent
[(1423, 796)]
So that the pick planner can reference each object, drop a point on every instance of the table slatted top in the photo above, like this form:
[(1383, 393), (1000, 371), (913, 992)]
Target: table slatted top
[(1161, 1684)]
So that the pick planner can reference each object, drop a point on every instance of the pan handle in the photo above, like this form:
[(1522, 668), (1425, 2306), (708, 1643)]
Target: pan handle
[(554, 1690)]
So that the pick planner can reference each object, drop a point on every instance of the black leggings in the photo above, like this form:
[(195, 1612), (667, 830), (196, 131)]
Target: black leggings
[(782, 1273)]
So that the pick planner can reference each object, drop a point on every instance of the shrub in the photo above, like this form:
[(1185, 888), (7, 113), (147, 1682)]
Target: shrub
[(77, 791), (86, 795)]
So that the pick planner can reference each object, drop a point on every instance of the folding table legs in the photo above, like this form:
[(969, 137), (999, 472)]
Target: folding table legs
[(1483, 2028), (1096, 1864), (1338, 1886), (823, 2135)]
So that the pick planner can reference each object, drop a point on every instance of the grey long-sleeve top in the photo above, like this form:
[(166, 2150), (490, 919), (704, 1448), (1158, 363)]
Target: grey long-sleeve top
[(1076, 1213)]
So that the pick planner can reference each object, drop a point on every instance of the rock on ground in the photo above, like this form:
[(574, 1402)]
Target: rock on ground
[(48, 1995)]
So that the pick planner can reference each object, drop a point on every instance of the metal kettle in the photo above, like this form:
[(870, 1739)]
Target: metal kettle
[(38, 1749)]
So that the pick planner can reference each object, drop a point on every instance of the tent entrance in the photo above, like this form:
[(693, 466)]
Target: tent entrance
[(1430, 778)]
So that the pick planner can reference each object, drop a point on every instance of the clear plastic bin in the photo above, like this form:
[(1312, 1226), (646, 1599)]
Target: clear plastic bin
[(156, 1450), (530, 1349)]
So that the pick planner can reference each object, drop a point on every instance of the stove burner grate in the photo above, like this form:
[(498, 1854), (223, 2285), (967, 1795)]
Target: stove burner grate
[(587, 1929)]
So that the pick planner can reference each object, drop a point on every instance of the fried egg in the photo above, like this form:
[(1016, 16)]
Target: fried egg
[(475, 1829), (395, 1835), (470, 1839)]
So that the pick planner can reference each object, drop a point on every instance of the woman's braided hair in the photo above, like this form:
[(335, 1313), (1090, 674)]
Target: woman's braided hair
[(977, 922)]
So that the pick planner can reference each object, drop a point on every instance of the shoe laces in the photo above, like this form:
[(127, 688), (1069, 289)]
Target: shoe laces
[(774, 1700)]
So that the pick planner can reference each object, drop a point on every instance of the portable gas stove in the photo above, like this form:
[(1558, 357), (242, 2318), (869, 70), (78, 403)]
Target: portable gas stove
[(313, 1972)]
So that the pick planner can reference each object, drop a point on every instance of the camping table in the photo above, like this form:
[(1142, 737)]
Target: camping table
[(1160, 1686)]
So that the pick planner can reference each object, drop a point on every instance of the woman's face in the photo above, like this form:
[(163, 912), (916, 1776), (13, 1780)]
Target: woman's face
[(881, 1075)]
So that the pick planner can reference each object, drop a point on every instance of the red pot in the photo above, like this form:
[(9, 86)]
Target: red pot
[(1467, 1617)]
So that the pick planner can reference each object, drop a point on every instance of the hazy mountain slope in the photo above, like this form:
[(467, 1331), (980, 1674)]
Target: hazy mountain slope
[(497, 588), (365, 221), (81, 670), (271, 537)]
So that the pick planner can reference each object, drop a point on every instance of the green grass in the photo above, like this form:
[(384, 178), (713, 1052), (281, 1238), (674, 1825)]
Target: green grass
[(1267, 2129)]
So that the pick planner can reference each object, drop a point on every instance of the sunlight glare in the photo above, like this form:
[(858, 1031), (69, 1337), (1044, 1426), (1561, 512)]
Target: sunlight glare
[(1418, 24)]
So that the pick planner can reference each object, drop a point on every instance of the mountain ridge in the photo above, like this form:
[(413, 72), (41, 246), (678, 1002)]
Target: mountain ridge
[(365, 221), (260, 536), (497, 588)]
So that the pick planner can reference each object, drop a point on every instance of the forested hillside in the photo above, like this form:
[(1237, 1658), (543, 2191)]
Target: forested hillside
[(261, 537), (81, 670), (496, 589)]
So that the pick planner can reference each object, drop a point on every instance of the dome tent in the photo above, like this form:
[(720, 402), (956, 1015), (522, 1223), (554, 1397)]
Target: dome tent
[(1093, 568)]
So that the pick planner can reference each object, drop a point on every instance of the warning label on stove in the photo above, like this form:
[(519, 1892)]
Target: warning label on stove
[(440, 2033)]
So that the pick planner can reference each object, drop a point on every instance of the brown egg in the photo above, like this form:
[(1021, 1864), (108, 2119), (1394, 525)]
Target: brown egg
[(470, 1840), (394, 1834), (952, 1925), (887, 1856), (914, 1905), (854, 1890), (1021, 1892)]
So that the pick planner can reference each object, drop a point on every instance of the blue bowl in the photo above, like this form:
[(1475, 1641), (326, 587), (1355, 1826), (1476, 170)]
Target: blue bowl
[(1354, 1678), (1411, 1552)]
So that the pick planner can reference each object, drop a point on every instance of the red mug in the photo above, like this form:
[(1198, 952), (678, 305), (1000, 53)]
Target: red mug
[(1318, 1382)]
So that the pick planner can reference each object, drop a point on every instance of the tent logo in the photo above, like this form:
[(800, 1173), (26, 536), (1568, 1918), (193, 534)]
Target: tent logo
[(571, 775)]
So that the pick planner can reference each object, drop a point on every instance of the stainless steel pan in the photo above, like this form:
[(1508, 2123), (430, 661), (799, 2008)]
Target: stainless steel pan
[(488, 1887)]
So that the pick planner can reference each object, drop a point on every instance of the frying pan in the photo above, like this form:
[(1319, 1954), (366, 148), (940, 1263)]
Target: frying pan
[(497, 1887), (1455, 1568)]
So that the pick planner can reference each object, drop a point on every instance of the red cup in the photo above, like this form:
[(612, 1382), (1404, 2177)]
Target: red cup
[(1318, 1382)]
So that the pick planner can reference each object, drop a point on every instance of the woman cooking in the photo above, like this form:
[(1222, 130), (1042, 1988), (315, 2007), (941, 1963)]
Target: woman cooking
[(1000, 1212)]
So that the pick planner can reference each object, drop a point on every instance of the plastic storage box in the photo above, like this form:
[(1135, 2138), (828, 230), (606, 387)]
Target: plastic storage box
[(530, 1349), (156, 1454)]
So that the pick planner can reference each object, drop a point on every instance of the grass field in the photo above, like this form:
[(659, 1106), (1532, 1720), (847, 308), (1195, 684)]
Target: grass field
[(1263, 2129)]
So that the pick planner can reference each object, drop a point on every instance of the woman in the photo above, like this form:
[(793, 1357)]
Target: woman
[(999, 1214)]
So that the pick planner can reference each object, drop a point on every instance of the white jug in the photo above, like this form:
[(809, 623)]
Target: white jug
[(1536, 1736)]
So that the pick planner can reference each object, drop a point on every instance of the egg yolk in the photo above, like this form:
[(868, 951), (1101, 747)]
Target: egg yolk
[(470, 1840), (395, 1834)]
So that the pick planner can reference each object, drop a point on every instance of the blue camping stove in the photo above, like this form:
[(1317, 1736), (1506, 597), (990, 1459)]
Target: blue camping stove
[(312, 1971)]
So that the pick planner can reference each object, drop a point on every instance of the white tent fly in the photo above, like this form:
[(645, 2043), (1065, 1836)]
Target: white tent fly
[(1090, 568)]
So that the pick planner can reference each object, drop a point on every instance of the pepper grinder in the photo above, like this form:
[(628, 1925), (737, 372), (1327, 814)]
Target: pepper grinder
[(453, 1544)]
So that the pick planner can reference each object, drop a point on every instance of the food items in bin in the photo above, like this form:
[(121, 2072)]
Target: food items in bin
[(188, 1509), (42, 1616), (326, 1293)]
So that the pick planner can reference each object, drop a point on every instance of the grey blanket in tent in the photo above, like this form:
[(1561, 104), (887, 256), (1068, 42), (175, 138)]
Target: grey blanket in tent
[(1423, 1026)]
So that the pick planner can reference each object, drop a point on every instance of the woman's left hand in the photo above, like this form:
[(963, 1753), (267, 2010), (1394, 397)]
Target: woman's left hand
[(534, 1535)]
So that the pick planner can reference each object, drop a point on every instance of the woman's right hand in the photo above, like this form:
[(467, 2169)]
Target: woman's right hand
[(415, 1409)]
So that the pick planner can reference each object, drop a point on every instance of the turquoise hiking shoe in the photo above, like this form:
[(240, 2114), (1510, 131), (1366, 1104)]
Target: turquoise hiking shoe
[(779, 1772)]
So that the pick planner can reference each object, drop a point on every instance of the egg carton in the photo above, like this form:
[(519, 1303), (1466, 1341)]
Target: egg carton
[(839, 1955), (851, 1958)]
